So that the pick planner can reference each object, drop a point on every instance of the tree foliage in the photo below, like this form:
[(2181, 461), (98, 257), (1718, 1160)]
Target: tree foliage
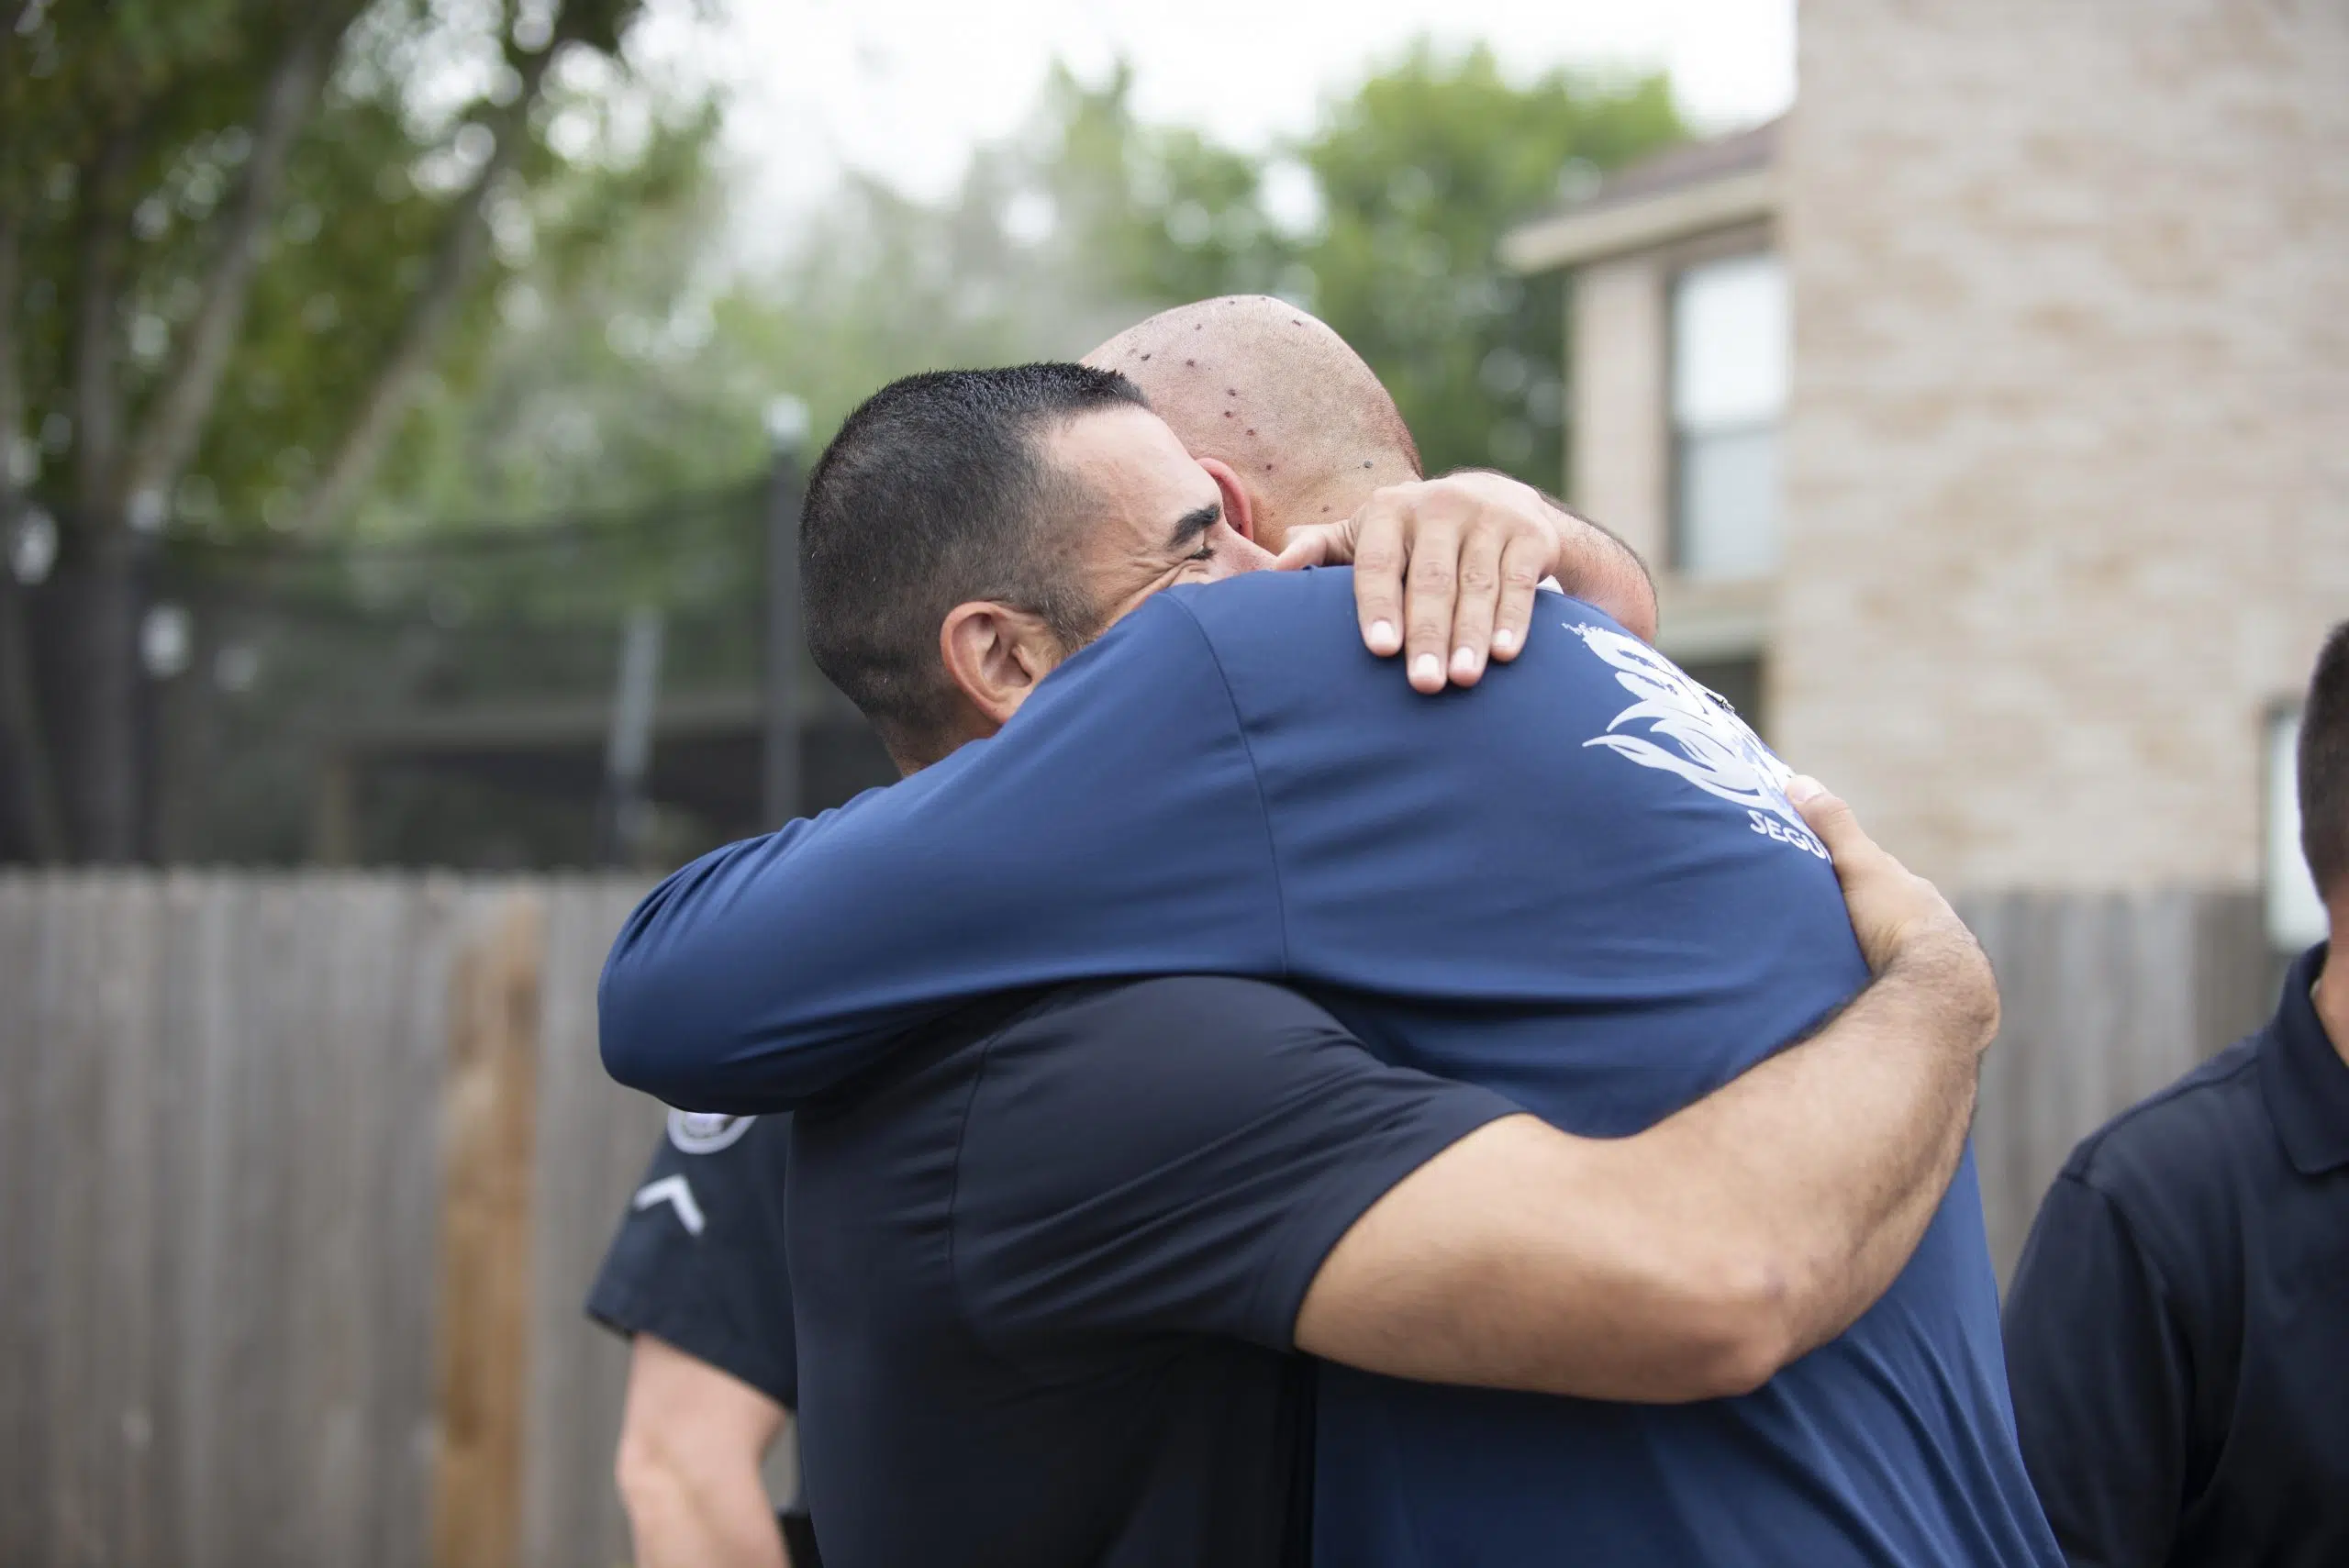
[(1420, 172), (240, 241)]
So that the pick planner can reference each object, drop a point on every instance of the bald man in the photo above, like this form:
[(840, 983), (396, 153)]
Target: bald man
[(1316, 465)]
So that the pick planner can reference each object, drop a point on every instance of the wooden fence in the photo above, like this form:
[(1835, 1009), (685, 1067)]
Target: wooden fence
[(305, 1177), (263, 1134), (2106, 998)]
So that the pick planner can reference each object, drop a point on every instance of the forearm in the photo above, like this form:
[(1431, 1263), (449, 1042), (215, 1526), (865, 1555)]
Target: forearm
[(1828, 1162), (692, 1436), (1607, 572), (716, 1515)]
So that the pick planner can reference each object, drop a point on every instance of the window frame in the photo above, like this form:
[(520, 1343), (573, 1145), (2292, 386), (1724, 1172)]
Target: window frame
[(1753, 240)]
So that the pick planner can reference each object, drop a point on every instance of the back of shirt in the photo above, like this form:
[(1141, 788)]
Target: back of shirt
[(1588, 836), (1049, 1262), (1578, 884)]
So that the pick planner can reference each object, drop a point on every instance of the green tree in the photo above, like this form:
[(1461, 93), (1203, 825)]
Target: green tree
[(1421, 171), (237, 240)]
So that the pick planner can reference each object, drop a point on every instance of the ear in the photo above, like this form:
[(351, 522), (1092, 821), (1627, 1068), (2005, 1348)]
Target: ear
[(1238, 509), (995, 655)]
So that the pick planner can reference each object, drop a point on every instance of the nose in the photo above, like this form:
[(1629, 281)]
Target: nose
[(1240, 555)]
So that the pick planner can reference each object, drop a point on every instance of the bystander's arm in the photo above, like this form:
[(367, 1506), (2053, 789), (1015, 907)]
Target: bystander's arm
[(692, 1438)]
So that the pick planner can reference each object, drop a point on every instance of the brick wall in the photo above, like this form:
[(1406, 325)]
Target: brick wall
[(2068, 452)]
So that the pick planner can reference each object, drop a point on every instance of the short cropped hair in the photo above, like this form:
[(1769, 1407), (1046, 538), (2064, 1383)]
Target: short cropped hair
[(936, 492), (2324, 767)]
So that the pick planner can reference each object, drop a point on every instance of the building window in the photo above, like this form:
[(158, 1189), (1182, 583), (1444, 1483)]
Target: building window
[(2295, 913), (1729, 388)]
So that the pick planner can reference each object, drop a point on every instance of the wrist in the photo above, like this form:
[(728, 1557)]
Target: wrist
[(1937, 968)]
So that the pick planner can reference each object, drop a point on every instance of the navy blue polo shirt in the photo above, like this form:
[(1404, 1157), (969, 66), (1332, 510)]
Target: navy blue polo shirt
[(1578, 884), (2178, 1331), (698, 1258), (1049, 1259)]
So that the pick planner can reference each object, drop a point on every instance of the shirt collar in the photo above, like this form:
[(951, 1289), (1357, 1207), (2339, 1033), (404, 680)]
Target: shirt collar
[(2306, 1081)]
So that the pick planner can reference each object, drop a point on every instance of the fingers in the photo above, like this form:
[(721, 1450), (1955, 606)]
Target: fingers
[(1889, 906), (1473, 617), (1315, 544), (1376, 533), (1523, 560), (1829, 817), (1429, 598)]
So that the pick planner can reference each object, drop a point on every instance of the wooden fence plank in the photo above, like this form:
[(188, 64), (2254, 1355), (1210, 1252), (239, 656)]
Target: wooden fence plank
[(128, 1237), (434, 909), (23, 900), (489, 1114), (593, 1138)]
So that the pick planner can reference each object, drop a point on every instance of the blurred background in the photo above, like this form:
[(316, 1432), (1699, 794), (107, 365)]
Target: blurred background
[(403, 406)]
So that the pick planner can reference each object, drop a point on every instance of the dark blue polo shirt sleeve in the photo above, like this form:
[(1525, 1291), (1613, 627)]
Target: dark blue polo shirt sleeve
[(2101, 1381), (1178, 1156), (1114, 827), (721, 1293)]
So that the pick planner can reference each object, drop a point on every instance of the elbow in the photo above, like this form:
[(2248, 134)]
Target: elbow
[(654, 1490), (1740, 1326), (630, 1058)]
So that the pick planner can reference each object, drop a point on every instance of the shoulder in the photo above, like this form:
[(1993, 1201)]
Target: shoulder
[(2176, 1163), (1188, 1036), (1184, 1072)]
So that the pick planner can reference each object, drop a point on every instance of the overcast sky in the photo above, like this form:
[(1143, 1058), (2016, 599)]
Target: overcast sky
[(904, 88)]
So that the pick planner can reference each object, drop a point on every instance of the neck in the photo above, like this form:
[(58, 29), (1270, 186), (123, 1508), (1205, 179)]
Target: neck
[(2333, 986)]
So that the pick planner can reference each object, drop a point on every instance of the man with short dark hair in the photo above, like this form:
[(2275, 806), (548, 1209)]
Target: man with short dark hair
[(2177, 1331), (1044, 1233), (977, 516)]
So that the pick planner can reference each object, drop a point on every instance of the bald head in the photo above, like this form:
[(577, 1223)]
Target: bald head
[(1264, 387)]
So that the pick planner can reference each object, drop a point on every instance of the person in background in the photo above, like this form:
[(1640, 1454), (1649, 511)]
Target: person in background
[(697, 1282), (2178, 1331)]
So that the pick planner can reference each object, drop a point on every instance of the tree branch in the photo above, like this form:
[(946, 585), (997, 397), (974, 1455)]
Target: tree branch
[(401, 376), (175, 423)]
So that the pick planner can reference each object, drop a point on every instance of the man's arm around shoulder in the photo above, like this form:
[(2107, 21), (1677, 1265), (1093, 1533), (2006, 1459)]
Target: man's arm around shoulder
[(1697, 1258)]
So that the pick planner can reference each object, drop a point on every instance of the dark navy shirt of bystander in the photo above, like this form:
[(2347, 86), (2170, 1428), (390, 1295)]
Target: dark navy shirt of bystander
[(2178, 1333)]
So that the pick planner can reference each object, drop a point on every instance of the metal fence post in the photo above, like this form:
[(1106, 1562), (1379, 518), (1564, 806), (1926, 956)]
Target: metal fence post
[(780, 720)]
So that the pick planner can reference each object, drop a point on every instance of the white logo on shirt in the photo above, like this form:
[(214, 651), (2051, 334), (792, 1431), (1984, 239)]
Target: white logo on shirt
[(707, 1132), (678, 1194), (1692, 732)]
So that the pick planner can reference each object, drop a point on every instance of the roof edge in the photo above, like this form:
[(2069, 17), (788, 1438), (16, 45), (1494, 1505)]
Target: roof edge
[(1572, 238)]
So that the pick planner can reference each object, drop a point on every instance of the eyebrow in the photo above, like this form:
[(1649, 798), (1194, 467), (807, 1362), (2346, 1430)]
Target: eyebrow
[(1191, 525)]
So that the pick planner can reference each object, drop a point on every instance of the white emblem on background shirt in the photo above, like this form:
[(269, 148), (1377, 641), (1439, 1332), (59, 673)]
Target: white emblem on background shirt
[(1681, 728), (707, 1132), (678, 1194)]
